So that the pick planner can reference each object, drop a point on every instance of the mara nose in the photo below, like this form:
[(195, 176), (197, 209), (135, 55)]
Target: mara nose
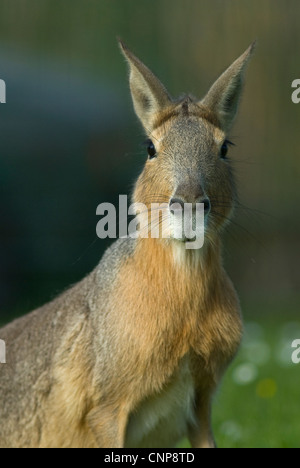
[(179, 201)]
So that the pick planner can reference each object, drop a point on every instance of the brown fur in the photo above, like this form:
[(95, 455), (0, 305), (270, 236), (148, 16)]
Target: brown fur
[(198, 110), (132, 355)]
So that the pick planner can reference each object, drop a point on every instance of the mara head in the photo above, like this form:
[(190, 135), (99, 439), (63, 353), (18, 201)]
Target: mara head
[(188, 146)]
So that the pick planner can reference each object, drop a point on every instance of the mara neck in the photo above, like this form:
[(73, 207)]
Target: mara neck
[(169, 258)]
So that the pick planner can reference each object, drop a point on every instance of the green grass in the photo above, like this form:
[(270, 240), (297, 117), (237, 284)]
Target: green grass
[(258, 403)]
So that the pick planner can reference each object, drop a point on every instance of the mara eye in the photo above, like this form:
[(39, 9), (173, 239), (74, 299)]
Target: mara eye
[(224, 148), (151, 149)]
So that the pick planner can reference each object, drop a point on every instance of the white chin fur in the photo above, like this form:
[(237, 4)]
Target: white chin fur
[(186, 258)]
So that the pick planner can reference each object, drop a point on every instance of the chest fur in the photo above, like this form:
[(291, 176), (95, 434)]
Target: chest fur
[(161, 420), (159, 315)]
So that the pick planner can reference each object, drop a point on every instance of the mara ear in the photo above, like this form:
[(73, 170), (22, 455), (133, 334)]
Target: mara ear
[(148, 93), (224, 95)]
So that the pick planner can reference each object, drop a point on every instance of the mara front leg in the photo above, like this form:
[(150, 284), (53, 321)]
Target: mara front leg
[(108, 425), (200, 431)]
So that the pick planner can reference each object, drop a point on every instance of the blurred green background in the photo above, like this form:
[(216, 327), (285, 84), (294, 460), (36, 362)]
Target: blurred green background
[(70, 140)]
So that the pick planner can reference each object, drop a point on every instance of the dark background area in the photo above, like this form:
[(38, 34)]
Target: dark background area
[(69, 140)]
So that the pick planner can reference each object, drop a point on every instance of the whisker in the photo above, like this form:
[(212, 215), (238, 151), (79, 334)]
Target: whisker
[(234, 223)]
